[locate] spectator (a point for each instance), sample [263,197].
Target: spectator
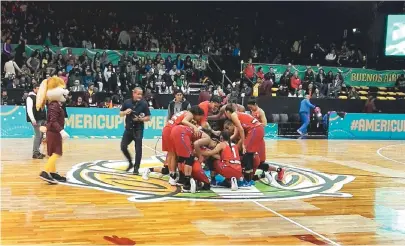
[370,107]
[265,88]
[90,95]
[310,89]
[10,67]
[353,94]
[300,92]
[178,104]
[62,76]
[88,79]
[309,77]
[336,85]
[282,91]
[260,73]
[179,62]
[331,56]
[33,62]
[77,86]
[246,90]
[317,94]
[80,103]
[200,66]
[270,75]
[285,79]
[249,71]
[400,83]
[75,76]
[295,81]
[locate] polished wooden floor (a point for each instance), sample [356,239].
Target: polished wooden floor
[365,205]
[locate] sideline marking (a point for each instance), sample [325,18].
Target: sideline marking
[387,158]
[296,223]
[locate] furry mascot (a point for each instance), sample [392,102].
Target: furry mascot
[52,90]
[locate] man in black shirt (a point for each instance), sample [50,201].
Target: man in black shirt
[136,112]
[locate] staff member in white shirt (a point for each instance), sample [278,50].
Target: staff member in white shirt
[37,119]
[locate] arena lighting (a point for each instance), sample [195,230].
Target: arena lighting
[354,30]
[241,61]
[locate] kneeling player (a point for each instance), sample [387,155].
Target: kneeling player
[258,157]
[228,161]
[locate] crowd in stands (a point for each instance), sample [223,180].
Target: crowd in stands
[31,23]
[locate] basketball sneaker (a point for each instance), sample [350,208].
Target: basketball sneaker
[193,186]
[47,177]
[145,174]
[234,184]
[280,174]
[269,178]
[58,178]
[172,181]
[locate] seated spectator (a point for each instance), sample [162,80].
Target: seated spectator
[300,92]
[90,95]
[282,91]
[292,94]
[336,85]
[400,83]
[331,56]
[317,94]
[310,89]
[295,81]
[77,86]
[270,75]
[259,73]
[285,79]
[353,94]
[80,103]
[88,79]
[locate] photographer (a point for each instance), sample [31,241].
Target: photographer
[136,112]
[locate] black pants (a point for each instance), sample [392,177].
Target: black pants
[129,136]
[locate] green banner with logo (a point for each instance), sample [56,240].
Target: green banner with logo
[113,55]
[352,76]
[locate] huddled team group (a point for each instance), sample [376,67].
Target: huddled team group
[235,153]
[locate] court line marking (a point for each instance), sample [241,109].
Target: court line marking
[296,223]
[387,158]
[278,214]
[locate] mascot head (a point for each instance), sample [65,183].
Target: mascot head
[51,89]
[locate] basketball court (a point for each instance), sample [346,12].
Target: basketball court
[334,193]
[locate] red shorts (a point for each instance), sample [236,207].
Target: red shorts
[181,142]
[53,143]
[254,141]
[227,169]
[167,145]
[262,152]
[197,173]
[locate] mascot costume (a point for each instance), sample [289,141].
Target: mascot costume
[52,90]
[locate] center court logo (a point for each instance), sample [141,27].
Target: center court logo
[110,176]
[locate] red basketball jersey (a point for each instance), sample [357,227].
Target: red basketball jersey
[230,154]
[177,118]
[247,121]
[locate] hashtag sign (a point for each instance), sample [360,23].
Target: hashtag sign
[355,125]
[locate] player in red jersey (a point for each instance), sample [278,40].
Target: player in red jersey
[259,114]
[227,161]
[209,106]
[185,118]
[182,138]
[251,133]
